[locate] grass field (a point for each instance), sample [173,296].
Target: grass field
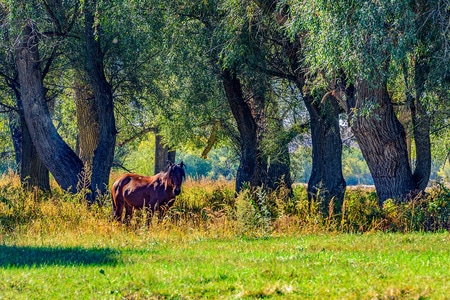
[141,266]
[213,245]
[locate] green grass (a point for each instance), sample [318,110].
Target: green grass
[142,266]
[213,245]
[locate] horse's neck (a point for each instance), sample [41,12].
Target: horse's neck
[164,178]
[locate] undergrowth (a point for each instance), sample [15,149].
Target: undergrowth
[212,207]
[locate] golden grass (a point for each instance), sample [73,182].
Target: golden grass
[210,208]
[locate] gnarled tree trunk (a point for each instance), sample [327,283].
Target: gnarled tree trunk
[382,140]
[326,182]
[249,112]
[57,156]
[104,152]
[33,172]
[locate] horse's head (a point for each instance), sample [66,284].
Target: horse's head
[176,175]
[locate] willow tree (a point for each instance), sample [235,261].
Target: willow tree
[426,79]
[326,182]
[103,99]
[32,171]
[220,89]
[238,50]
[32,39]
[359,43]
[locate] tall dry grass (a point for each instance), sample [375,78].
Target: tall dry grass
[211,208]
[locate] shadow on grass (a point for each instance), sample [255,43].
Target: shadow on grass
[14,256]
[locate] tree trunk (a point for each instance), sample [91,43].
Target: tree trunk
[326,173]
[104,153]
[87,123]
[421,124]
[326,182]
[33,172]
[250,161]
[57,156]
[382,140]
[277,159]
[420,118]
[162,154]
[15,129]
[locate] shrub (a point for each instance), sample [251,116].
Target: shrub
[254,211]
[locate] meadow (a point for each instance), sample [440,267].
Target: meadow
[214,245]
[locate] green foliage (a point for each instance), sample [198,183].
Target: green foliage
[301,164]
[362,37]
[360,211]
[207,204]
[354,167]
[429,213]
[221,163]
[141,159]
[138,156]
[211,206]
[163,60]
[444,172]
[7,154]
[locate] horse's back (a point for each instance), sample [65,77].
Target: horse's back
[119,184]
[133,189]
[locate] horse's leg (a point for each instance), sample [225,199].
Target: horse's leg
[149,214]
[117,202]
[118,210]
[128,213]
[161,212]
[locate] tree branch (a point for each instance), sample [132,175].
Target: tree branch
[137,135]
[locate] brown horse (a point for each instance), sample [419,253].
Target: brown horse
[152,192]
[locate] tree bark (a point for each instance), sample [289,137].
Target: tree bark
[250,161]
[104,153]
[87,122]
[421,127]
[382,140]
[57,156]
[33,172]
[162,154]
[326,182]
[277,159]
[88,129]
[427,35]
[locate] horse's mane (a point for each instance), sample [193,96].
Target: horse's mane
[165,176]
